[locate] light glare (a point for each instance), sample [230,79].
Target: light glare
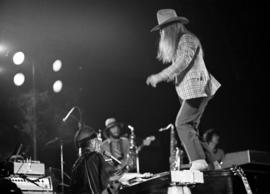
[18,58]
[57,86]
[19,79]
[57,65]
[2,48]
[2,70]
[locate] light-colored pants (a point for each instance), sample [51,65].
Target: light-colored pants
[187,122]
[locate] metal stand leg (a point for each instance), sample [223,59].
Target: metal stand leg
[62,166]
[137,163]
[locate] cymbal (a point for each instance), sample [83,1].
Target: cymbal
[58,139]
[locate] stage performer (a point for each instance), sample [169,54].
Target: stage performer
[194,85]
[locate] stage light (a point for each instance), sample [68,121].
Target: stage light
[1,69]
[19,79]
[57,86]
[18,58]
[57,65]
[2,48]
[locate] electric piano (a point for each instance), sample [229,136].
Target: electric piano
[148,185]
[251,160]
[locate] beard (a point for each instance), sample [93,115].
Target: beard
[115,135]
[166,49]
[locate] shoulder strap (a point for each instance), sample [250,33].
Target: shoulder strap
[180,77]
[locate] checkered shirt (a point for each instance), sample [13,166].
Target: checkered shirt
[189,71]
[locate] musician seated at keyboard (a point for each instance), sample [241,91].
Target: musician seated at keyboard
[90,173]
[211,137]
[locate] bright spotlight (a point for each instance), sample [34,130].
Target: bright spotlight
[57,64]
[57,86]
[18,58]
[18,79]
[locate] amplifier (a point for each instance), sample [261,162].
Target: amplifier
[29,168]
[33,183]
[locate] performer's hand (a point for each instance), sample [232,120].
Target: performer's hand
[152,80]
[115,178]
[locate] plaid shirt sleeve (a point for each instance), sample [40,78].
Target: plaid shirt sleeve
[185,52]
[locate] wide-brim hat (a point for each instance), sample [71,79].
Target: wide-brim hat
[83,135]
[109,123]
[166,17]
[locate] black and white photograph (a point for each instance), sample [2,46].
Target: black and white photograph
[134,97]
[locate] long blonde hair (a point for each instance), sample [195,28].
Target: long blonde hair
[169,37]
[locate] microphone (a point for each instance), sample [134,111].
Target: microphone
[131,128]
[68,114]
[52,141]
[166,128]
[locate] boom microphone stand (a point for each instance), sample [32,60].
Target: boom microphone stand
[62,164]
[61,143]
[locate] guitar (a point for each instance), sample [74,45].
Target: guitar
[131,160]
[239,171]
[126,165]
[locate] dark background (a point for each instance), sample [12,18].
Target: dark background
[107,52]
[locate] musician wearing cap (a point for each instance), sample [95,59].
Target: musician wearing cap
[90,172]
[195,86]
[115,144]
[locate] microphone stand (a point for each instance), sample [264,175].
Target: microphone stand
[62,164]
[62,147]
[137,162]
[61,142]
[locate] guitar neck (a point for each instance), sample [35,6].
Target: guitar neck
[139,148]
[149,139]
[246,184]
